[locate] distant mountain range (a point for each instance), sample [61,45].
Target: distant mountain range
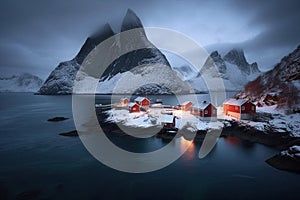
[20,83]
[153,67]
[279,86]
[233,69]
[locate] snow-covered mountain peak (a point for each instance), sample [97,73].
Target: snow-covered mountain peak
[233,68]
[91,42]
[131,21]
[61,79]
[237,57]
[20,83]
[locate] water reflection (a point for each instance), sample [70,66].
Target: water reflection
[188,147]
[238,142]
[233,141]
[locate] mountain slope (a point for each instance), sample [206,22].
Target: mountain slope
[61,79]
[280,86]
[21,83]
[233,69]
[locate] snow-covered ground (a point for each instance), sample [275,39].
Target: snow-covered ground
[155,117]
[269,118]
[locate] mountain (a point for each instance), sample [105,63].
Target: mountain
[20,83]
[279,86]
[185,72]
[60,80]
[233,69]
[136,62]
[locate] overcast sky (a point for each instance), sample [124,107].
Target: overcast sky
[38,34]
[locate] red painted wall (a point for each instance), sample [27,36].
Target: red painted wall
[209,109]
[135,108]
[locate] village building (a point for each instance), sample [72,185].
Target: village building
[124,102]
[169,123]
[239,108]
[142,101]
[205,111]
[186,106]
[133,107]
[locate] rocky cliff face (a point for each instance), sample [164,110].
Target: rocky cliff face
[61,79]
[279,86]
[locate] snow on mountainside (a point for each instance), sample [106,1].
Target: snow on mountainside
[279,86]
[162,79]
[233,69]
[61,79]
[185,72]
[21,83]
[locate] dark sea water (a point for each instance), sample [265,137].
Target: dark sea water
[36,160]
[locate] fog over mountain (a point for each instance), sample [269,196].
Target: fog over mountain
[40,34]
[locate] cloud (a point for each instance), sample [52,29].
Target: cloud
[36,35]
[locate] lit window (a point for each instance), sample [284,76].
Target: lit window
[236,108]
[206,112]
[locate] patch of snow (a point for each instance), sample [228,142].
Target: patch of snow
[154,117]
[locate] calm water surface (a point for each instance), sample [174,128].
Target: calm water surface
[34,157]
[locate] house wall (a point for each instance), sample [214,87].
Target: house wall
[248,108]
[125,101]
[211,111]
[145,102]
[231,108]
[234,114]
[134,108]
[187,106]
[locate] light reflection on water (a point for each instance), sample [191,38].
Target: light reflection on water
[34,157]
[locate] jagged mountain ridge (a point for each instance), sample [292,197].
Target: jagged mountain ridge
[282,84]
[233,69]
[20,83]
[59,82]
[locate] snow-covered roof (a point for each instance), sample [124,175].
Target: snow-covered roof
[202,105]
[167,118]
[139,99]
[131,104]
[237,102]
[186,103]
[123,99]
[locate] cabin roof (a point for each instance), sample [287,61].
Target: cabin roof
[237,102]
[186,103]
[132,104]
[167,118]
[139,99]
[202,105]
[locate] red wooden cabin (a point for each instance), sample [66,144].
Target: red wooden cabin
[205,110]
[124,101]
[239,108]
[133,107]
[168,121]
[186,106]
[142,101]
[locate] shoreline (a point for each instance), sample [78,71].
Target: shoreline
[199,92]
[279,141]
